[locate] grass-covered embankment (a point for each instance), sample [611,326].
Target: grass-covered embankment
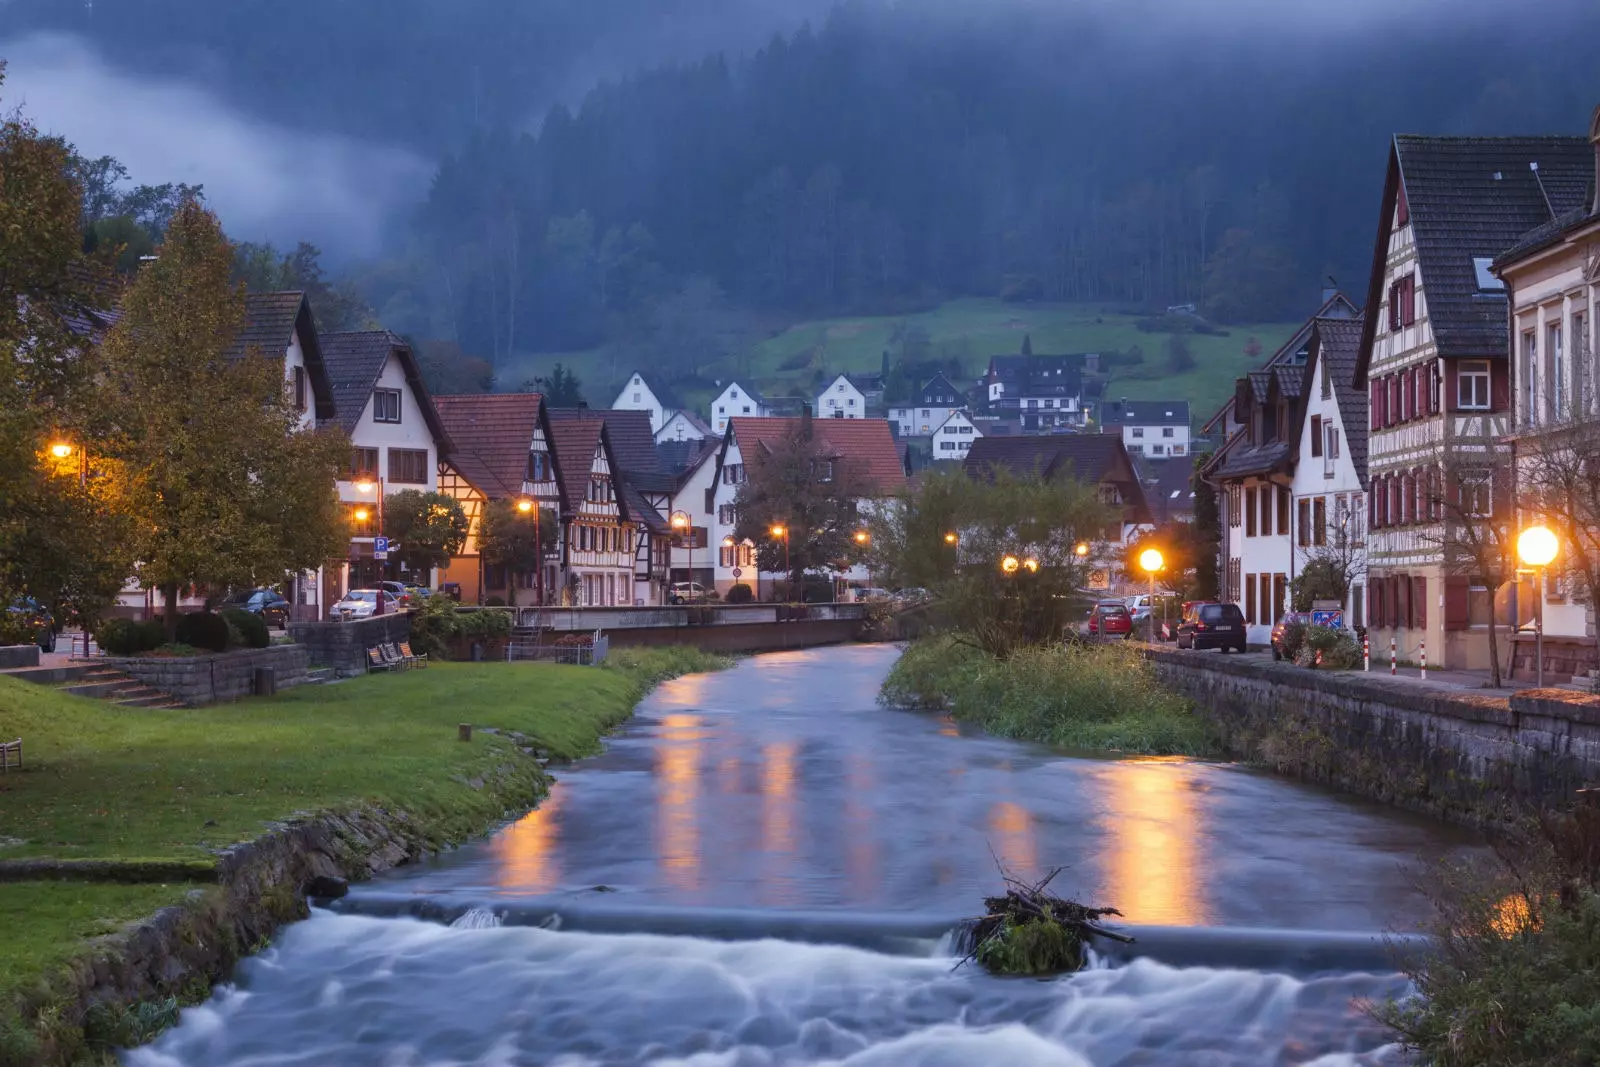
[148,788]
[1099,697]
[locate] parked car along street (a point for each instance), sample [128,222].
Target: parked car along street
[37,618]
[690,593]
[269,604]
[1110,618]
[357,604]
[1211,625]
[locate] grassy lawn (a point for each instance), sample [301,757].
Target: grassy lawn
[110,783]
[970,330]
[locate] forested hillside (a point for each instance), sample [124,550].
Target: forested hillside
[876,162]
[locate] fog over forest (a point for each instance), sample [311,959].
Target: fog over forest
[552,175]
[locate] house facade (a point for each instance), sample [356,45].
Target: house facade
[1434,362]
[952,439]
[600,538]
[841,399]
[1099,460]
[1045,392]
[1154,428]
[694,556]
[683,425]
[1552,279]
[500,450]
[396,443]
[935,402]
[636,395]
[736,401]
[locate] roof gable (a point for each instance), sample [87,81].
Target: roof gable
[490,436]
[580,446]
[356,360]
[271,321]
[1094,459]
[1336,344]
[867,442]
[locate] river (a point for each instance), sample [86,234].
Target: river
[757,871]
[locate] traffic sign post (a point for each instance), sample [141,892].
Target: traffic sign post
[738,572]
[380,547]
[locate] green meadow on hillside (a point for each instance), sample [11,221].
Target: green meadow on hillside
[791,362]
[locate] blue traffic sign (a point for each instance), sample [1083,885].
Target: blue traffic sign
[380,547]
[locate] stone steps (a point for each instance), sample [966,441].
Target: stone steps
[109,684]
[321,676]
[49,675]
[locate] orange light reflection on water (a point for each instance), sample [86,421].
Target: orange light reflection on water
[525,850]
[777,818]
[677,799]
[1152,848]
[1012,838]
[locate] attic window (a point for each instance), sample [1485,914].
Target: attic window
[1487,282]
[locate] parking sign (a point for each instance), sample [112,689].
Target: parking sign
[380,548]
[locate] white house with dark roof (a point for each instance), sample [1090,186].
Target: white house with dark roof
[841,399]
[1046,391]
[683,425]
[924,413]
[396,438]
[736,401]
[637,395]
[954,436]
[1154,428]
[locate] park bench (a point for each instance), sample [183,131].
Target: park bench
[8,749]
[376,661]
[416,660]
[396,659]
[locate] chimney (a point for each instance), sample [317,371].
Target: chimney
[1594,139]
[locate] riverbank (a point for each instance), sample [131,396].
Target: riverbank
[246,802]
[1096,697]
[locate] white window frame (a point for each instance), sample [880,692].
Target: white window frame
[1469,372]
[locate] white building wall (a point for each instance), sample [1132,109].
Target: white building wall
[691,500]
[679,427]
[841,400]
[295,357]
[1330,477]
[1161,441]
[953,440]
[636,395]
[734,401]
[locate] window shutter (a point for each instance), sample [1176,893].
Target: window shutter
[1303,517]
[1419,602]
[1316,435]
[1375,403]
[1419,389]
[1408,302]
[1500,493]
[1500,385]
[1433,388]
[1394,399]
[1402,601]
[1457,602]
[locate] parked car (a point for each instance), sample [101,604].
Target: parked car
[418,592]
[1110,618]
[1213,625]
[36,617]
[1290,618]
[357,604]
[864,595]
[691,593]
[268,603]
[1167,608]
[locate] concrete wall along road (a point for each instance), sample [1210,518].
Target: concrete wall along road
[343,645]
[1468,757]
[218,678]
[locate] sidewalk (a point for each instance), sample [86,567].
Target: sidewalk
[1457,680]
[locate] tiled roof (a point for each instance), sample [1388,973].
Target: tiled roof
[573,442]
[1144,413]
[1090,458]
[1475,197]
[632,445]
[640,510]
[865,442]
[490,435]
[270,321]
[1336,306]
[694,420]
[1168,486]
[1244,460]
[1338,345]
[354,362]
[1260,383]
[681,458]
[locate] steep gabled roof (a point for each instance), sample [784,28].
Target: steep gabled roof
[1470,198]
[1336,306]
[1090,458]
[746,391]
[490,436]
[573,442]
[1168,487]
[632,444]
[270,323]
[1337,344]
[691,418]
[866,442]
[354,362]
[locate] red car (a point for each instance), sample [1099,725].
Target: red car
[1110,618]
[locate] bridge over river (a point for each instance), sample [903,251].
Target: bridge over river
[760,869]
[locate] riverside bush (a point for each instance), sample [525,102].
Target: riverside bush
[1340,649]
[1101,696]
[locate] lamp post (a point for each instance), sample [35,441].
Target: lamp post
[524,505]
[62,450]
[781,532]
[1151,560]
[683,527]
[1009,564]
[367,485]
[1536,547]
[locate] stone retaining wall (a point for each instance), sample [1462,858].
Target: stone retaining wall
[343,645]
[1468,757]
[216,678]
[13,657]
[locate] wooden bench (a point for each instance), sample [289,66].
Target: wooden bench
[415,660]
[8,749]
[376,661]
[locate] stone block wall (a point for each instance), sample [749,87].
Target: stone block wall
[218,678]
[1472,758]
[343,645]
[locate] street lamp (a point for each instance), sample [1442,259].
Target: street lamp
[524,506]
[863,538]
[1009,564]
[950,538]
[1151,560]
[368,485]
[1031,565]
[61,450]
[683,526]
[781,532]
[1536,547]
[1081,549]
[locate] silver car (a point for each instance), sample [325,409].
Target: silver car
[357,604]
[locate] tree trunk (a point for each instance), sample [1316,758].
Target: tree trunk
[169,621]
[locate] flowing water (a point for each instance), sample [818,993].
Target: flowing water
[757,872]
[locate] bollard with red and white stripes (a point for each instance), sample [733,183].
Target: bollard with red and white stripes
[1366,653]
[1394,657]
[1424,661]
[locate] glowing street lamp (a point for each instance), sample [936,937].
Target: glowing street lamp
[1031,565]
[1009,564]
[1537,546]
[683,527]
[951,538]
[1152,560]
[362,514]
[61,450]
[863,538]
[781,532]
[524,506]
[1081,549]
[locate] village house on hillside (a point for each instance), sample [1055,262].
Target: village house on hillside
[952,439]
[935,402]
[396,441]
[1433,359]
[1152,428]
[1552,279]
[638,395]
[683,425]
[1099,460]
[1045,392]
[841,399]
[866,444]
[736,401]
[600,534]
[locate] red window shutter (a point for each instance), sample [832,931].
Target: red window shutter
[1408,300]
[1419,602]
[1394,400]
[1419,380]
[1375,415]
[1316,435]
[1433,388]
[1402,600]
[1457,602]
[1500,493]
[1394,306]
[1500,385]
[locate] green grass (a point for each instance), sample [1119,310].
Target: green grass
[110,783]
[970,330]
[1103,697]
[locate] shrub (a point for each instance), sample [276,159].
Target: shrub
[741,594]
[485,625]
[204,629]
[152,634]
[1340,649]
[1294,637]
[122,637]
[1103,696]
[252,628]
[433,623]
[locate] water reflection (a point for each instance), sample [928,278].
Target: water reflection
[525,852]
[1011,837]
[777,818]
[677,799]
[861,845]
[1152,827]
